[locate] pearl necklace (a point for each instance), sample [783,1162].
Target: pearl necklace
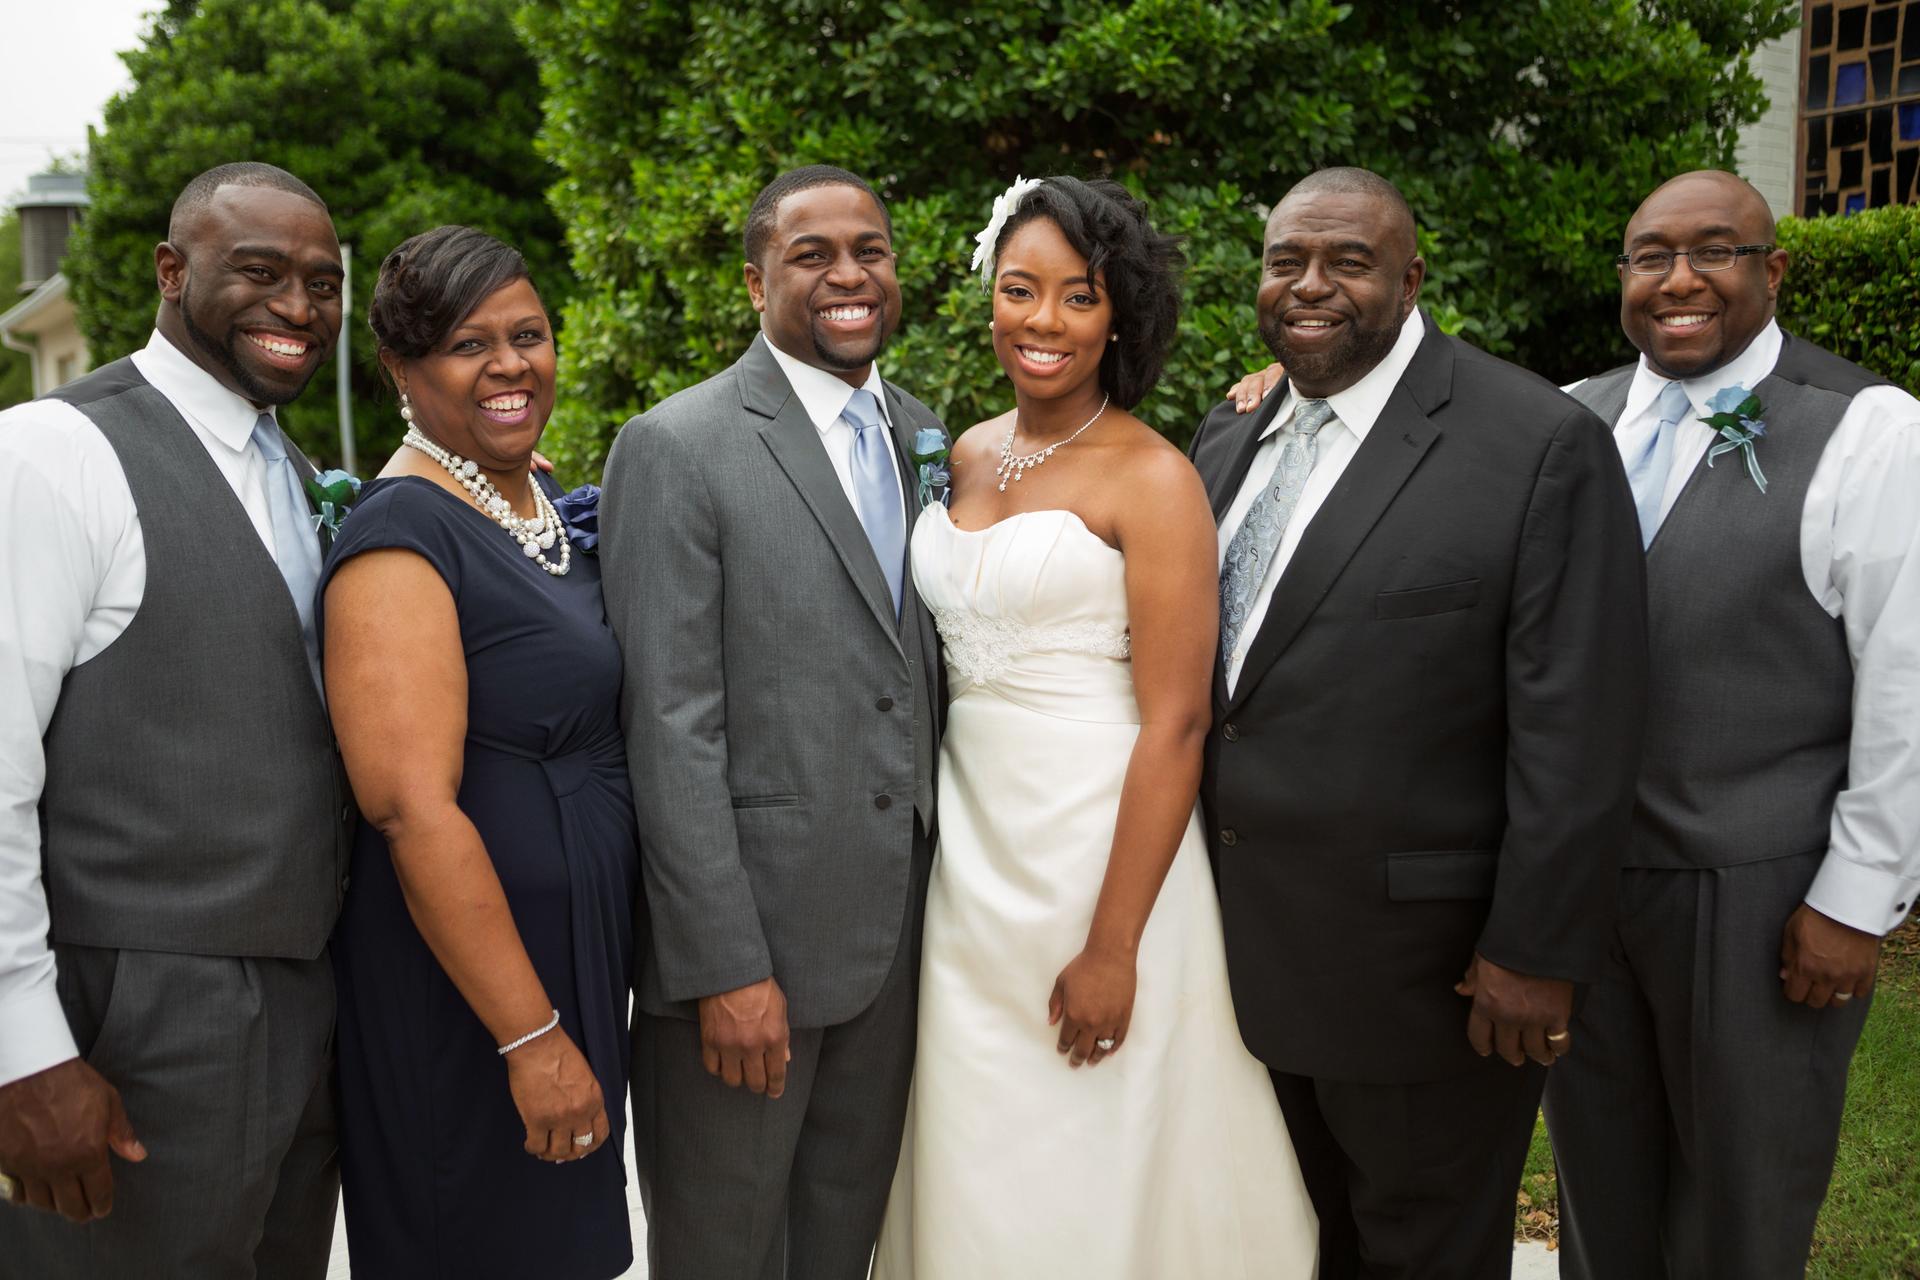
[535,534]
[1013,466]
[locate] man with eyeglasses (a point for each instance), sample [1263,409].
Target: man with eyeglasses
[1776,836]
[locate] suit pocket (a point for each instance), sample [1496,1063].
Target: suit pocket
[782,801]
[1441,876]
[1419,602]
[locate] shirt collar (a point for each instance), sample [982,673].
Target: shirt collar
[1744,370]
[199,396]
[1360,405]
[822,395]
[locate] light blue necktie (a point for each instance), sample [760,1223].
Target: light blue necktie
[876,488]
[1647,473]
[296,543]
[1251,550]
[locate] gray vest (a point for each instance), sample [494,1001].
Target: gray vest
[1751,689]
[194,800]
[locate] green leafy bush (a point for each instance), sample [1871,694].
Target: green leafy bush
[402,114]
[1524,135]
[1853,286]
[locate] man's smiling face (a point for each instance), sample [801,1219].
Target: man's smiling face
[825,289]
[1690,322]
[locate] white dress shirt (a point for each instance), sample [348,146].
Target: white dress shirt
[825,397]
[1355,410]
[73,569]
[1860,557]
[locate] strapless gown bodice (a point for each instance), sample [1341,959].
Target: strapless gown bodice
[1034,607]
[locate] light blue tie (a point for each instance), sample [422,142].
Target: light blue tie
[1251,550]
[1647,473]
[296,542]
[876,489]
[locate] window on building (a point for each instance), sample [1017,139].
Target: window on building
[1860,106]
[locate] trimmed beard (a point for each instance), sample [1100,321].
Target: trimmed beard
[1344,363]
[227,355]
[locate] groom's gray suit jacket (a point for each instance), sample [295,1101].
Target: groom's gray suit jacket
[780,723]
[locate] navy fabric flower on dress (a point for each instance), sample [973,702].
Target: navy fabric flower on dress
[580,512]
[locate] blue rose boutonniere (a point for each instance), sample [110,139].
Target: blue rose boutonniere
[1735,415]
[579,511]
[931,456]
[332,492]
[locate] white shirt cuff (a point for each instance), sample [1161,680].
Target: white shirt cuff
[33,1035]
[1865,898]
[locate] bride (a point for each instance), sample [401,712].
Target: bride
[1082,1103]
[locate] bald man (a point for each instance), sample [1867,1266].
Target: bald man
[172,814]
[1776,837]
[1426,729]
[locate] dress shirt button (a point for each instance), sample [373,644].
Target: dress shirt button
[1231,732]
[882,801]
[1229,837]
[883,703]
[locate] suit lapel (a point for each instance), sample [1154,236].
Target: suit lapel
[1242,444]
[1375,474]
[795,444]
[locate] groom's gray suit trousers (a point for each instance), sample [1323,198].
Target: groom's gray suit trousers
[792,1187]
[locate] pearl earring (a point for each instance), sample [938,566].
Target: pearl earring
[406,408]
[1113,337]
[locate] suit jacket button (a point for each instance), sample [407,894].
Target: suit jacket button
[1231,732]
[884,703]
[1229,837]
[882,801]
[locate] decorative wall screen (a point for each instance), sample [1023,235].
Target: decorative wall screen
[1860,105]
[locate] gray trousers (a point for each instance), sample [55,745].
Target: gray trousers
[225,1068]
[1695,1122]
[737,1186]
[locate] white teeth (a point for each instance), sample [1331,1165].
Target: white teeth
[278,346]
[1313,324]
[1683,322]
[1043,357]
[847,313]
[506,404]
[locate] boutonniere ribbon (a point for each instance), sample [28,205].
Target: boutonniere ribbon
[930,454]
[332,492]
[1735,415]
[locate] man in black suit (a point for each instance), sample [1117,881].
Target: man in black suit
[1427,723]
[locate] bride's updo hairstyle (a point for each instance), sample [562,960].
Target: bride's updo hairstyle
[433,281]
[1109,228]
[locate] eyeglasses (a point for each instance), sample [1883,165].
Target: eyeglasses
[1708,257]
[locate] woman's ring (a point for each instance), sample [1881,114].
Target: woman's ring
[582,1139]
[1106,1045]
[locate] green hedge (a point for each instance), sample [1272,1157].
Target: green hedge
[1853,286]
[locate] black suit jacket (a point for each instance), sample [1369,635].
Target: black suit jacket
[1432,743]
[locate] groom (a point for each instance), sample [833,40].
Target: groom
[780,716]
[1426,726]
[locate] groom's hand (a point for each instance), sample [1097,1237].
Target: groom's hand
[1516,1016]
[743,1037]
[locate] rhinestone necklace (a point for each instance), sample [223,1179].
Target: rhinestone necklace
[1013,466]
[536,534]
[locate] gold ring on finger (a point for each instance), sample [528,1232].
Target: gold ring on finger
[1555,1037]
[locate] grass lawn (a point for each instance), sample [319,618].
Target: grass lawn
[1870,1226]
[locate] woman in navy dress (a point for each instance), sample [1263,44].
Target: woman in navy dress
[484,954]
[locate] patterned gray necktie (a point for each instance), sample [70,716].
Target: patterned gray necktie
[1251,550]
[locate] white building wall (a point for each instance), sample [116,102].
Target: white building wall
[1765,154]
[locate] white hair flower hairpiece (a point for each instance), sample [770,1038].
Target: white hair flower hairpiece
[1005,205]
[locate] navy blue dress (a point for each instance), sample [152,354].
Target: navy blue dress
[435,1178]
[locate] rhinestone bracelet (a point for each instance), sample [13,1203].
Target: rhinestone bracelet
[506,1049]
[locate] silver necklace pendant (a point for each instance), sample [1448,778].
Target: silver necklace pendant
[1013,466]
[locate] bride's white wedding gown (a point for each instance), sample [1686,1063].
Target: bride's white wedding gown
[1171,1159]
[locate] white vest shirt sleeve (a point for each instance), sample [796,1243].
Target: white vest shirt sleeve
[72,569]
[1860,551]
